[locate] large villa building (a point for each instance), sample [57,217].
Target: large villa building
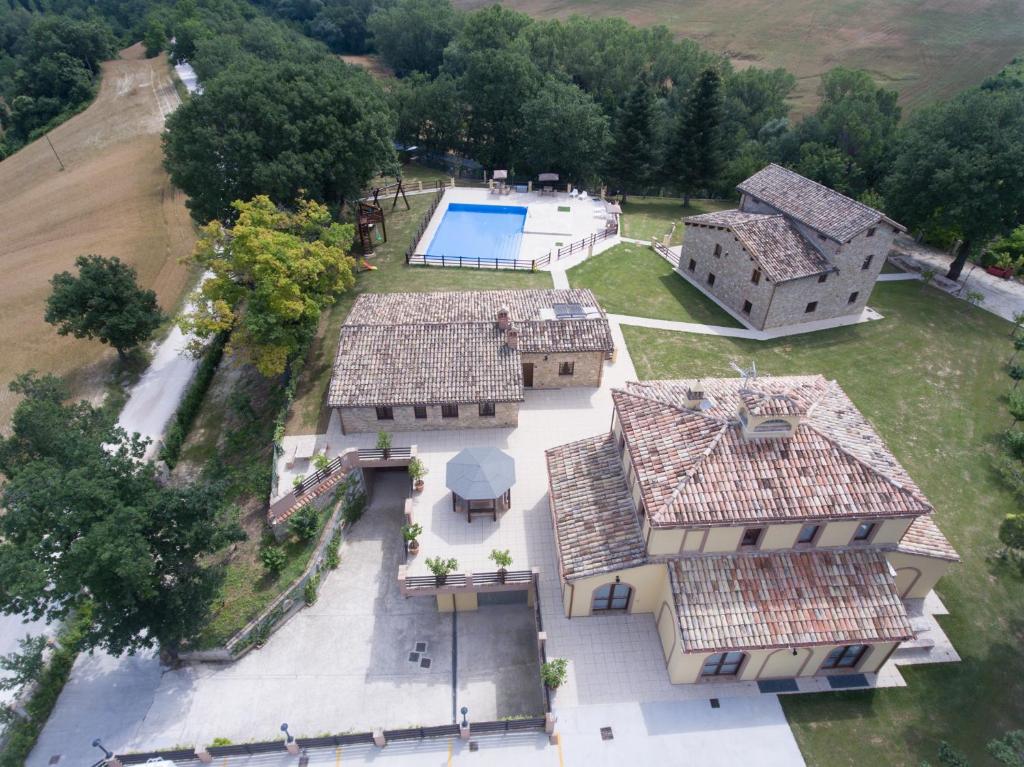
[414,361]
[763,522]
[793,252]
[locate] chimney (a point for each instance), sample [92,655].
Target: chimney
[512,337]
[504,318]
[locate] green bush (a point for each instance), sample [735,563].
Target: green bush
[273,559]
[188,409]
[332,558]
[354,509]
[1014,441]
[309,590]
[553,673]
[304,524]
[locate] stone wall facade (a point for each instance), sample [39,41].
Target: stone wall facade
[841,294]
[355,420]
[587,368]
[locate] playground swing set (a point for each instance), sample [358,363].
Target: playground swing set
[370,227]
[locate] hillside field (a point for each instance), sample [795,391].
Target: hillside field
[112,199]
[925,49]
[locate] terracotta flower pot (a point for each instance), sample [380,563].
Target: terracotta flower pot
[414,546]
[418,485]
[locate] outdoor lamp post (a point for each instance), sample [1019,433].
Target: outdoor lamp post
[465,722]
[289,741]
[288,735]
[97,744]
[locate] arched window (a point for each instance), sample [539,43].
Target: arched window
[774,424]
[723,664]
[611,596]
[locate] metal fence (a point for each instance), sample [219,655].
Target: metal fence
[183,755]
[666,253]
[464,262]
[508,725]
[425,221]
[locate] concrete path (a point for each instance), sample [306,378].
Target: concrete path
[1003,298]
[894,277]
[754,335]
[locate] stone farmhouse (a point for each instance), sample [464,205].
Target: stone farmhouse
[763,523]
[415,361]
[793,252]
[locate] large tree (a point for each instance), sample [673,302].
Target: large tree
[87,521]
[274,272]
[103,301]
[320,128]
[634,151]
[564,131]
[698,152]
[411,35]
[960,166]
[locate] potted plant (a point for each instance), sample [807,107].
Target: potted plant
[552,673]
[503,560]
[417,471]
[411,533]
[321,461]
[440,568]
[384,443]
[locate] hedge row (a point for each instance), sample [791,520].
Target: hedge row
[192,401]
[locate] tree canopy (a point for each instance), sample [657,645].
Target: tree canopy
[698,152]
[103,301]
[86,521]
[274,272]
[412,34]
[960,165]
[317,128]
[634,153]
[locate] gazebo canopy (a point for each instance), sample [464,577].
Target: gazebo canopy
[548,177]
[480,473]
[500,175]
[613,207]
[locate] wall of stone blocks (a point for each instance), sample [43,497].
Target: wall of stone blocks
[587,369]
[355,420]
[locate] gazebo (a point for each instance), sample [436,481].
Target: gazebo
[481,479]
[547,182]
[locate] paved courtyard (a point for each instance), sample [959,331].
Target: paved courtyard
[341,665]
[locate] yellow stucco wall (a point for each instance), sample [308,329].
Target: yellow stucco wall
[723,539]
[780,536]
[665,541]
[462,601]
[892,530]
[838,533]
[693,540]
[648,581]
[916,575]
[776,663]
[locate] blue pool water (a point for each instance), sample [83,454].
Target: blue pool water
[479,231]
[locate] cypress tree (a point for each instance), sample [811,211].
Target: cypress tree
[632,159]
[697,154]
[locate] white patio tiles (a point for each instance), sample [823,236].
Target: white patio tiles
[546,227]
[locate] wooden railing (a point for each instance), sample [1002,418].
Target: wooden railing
[580,245]
[666,253]
[469,262]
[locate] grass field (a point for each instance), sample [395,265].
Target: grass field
[931,378]
[633,279]
[926,50]
[308,414]
[647,217]
[112,199]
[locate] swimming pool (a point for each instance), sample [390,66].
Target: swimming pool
[479,231]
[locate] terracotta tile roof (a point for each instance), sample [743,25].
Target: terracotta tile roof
[925,538]
[534,312]
[771,403]
[775,600]
[423,364]
[822,209]
[695,467]
[426,348]
[596,528]
[780,251]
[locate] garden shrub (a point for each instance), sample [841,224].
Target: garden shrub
[309,590]
[188,409]
[332,558]
[273,559]
[305,523]
[354,509]
[553,672]
[1014,441]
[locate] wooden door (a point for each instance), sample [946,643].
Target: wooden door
[528,374]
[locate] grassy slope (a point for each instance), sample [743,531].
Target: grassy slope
[925,50]
[647,217]
[308,415]
[113,199]
[931,379]
[633,279]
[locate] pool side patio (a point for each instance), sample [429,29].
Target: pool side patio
[546,227]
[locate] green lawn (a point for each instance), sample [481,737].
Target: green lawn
[308,414]
[647,217]
[633,279]
[931,379]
